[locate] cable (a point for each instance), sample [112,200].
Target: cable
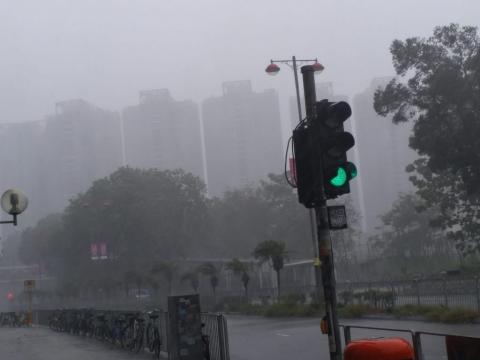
[285,164]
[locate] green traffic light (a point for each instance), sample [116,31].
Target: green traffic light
[340,179]
[353,171]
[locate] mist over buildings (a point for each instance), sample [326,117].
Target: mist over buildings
[91,86]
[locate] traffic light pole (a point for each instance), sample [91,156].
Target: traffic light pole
[323,233]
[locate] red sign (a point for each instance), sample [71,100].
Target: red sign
[94,251]
[103,251]
[10,296]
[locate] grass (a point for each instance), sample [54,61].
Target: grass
[290,308]
[437,313]
[284,308]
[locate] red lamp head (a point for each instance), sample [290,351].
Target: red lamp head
[272,69]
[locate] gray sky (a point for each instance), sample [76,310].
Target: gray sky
[106,50]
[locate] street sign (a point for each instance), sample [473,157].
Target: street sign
[185,323]
[94,251]
[29,285]
[337,217]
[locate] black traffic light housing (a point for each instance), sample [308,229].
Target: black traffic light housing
[320,146]
[334,143]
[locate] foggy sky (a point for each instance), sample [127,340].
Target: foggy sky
[105,51]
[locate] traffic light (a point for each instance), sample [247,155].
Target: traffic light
[320,148]
[306,167]
[334,143]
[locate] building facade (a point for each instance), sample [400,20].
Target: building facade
[243,139]
[163,133]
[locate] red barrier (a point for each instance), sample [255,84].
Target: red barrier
[379,349]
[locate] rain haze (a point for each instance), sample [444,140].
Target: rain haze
[106,51]
[170,199]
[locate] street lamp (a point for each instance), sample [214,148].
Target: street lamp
[273,69]
[13,202]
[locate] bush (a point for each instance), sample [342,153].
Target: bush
[354,311]
[437,313]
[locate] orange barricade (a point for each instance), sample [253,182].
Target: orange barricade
[379,349]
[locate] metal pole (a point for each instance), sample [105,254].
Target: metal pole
[477,291]
[311,212]
[295,74]
[323,234]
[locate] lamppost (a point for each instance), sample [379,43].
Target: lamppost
[273,69]
[13,202]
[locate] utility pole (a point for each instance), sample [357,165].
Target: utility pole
[323,231]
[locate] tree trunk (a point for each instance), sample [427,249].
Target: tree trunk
[246,292]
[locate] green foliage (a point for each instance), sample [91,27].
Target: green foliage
[168,269]
[438,313]
[242,218]
[438,87]
[143,216]
[354,311]
[213,273]
[271,251]
[283,308]
[408,239]
[191,276]
[240,269]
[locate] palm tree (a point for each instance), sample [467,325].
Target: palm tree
[210,270]
[273,252]
[240,268]
[192,277]
[168,269]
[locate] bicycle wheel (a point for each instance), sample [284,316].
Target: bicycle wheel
[156,347]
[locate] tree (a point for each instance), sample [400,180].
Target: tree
[136,213]
[192,277]
[273,252]
[244,217]
[168,269]
[438,87]
[408,242]
[240,269]
[213,273]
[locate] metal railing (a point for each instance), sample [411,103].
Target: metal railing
[416,336]
[216,329]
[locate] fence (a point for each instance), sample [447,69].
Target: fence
[215,328]
[464,292]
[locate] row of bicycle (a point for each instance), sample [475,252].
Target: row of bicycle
[133,331]
[13,319]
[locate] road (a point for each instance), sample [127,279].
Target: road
[251,338]
[45,344]
[255,338]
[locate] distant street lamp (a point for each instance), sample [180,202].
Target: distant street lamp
[273,69]
[13,202]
